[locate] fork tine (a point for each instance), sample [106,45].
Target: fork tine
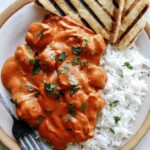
[37,140]
[27,144]
[32,141]
[22,145]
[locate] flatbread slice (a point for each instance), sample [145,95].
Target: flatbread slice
[130,20]
[67,10]
[47,5]
[117,22]
[96,15]
[115,9]
[132,34]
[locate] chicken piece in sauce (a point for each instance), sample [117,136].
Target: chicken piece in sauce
[55,80]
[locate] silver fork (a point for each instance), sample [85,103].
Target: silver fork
[26,138]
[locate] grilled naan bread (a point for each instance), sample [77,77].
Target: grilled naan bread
[133,22]
[104,18]
[119,21]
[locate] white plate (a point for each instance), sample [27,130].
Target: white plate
[13,33]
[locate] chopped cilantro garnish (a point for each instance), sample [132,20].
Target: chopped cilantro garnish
[112,130]
[117,119]
[36,67]
[128,65]
[30,88]
[34,61]
[14,101]
[40,120]
[76,61]
[68,118]
[73,90]
[76,50]
[84,42]
[62,57]
[40,34]
[114,103]
[83,106]
[29,47]
[51,89]
[52,56]
[71,109]
[36,94]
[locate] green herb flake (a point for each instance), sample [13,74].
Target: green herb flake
[76,61]
[74,89]
[29,47]
[84,42]
[62,57]
[14,101]
[114,103]
[112,130]
[36,67]
[30,87]
[117,119]
[71,109]
[52,56]
[68,118]
[128,65]
[40,34]
[36,94]
[63,70]
[76,50]
[83,106]
[34,61]
[51,89]
[40,120]
[36,70]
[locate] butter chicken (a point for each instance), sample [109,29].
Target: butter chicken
[55,80]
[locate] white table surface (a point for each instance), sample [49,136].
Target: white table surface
[145,142]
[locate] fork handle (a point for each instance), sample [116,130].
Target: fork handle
[8,141]
[14,7]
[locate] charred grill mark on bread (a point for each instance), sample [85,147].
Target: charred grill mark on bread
[114,19]
[47,5]
[85,14]
[132,6]
[133,33]
[57,7]
[67,10]
[119,6]
[75,11]
[93,14]
[115,3]
[132,22]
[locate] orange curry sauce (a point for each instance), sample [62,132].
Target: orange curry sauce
[55,80]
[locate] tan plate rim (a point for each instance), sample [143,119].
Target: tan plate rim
[18,4]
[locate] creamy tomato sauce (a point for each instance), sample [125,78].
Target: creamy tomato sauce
[55,78]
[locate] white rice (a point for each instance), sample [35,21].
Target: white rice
[128,88]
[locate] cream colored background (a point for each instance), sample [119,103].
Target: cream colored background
[145,142]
